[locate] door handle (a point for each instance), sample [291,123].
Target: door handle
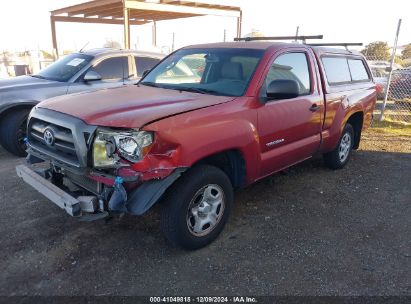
[314,107]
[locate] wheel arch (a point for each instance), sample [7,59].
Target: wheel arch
[331,136]
[17,106]
[356,120]
[231,162]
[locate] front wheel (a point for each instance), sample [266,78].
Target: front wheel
[339,157]
[196,208]
[13,132]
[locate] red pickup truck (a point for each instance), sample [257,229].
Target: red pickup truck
[206,120]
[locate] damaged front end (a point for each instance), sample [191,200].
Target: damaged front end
[111,171]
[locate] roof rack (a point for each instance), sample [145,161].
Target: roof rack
[303,38]
[344,44]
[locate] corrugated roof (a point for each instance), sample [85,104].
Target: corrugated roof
[140,11]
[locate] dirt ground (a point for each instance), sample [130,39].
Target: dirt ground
[310,231]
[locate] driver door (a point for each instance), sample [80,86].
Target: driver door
[290,128]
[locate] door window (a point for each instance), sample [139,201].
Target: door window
[113,68]
[291,66]
[144,63]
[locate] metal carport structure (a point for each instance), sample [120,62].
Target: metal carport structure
[138,12]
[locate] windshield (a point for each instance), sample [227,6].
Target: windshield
[65,68]
[216,71]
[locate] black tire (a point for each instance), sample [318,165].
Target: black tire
[334,159]
[13,130]
[175,216]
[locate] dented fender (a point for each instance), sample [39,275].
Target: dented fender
[150,192]
[183,149]
[142,198]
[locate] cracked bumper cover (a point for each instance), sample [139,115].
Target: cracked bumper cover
[136,202]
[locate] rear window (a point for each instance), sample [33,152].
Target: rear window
[248,63]
[337,70]
[358,71]
[342,70]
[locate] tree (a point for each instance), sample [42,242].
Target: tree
[406,52]
[67,52]
[254,33]
[46,55]
[5,58]
[399,60]
[377,50]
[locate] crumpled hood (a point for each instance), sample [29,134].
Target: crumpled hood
[24,82]
[129,106]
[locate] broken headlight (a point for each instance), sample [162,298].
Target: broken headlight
[110,145]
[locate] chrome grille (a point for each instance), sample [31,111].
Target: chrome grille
[63,143]
[63,139]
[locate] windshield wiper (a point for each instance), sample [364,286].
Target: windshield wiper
[150,84]
[187,89]
[38,76]
[198,90]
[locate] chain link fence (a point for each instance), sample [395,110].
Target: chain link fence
[398,105]
[395,90]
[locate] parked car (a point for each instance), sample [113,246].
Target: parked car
[78,72]
[380,71]
[258,108]
[380,75]
[400,87]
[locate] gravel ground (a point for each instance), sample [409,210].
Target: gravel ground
[310,231]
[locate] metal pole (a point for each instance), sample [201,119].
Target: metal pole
[387,88]
[126,27]
[241,24]
[296,33]
[39,56]
[154,33]
[225,35]
[54,38]
[172,44]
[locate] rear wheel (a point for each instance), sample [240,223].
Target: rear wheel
[196,208]
[339,157]
[13,131]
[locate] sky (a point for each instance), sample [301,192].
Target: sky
[25,24]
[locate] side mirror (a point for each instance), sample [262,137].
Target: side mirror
[145,73]
[283,89]
[92,76]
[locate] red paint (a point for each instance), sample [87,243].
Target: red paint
[102,179]
[131,106]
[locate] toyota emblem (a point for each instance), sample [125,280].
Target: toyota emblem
[48,137]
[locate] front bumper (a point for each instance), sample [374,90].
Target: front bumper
[75,207]
[90,208]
